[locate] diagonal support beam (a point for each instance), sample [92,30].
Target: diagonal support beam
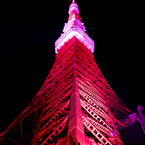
[96,132]
[94,115]
[56,115]
[56,131]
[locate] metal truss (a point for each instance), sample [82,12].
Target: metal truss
[96,132]
[74,93]
[58,129]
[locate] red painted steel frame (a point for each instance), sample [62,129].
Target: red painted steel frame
[75,104]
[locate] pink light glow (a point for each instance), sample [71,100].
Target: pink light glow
[72,28]
[112,133]
[79,34]
[73,7]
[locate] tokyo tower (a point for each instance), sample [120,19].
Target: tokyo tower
[75,105]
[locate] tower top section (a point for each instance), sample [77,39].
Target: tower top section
[73,7]
[74,27]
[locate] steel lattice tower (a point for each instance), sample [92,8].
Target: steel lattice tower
[75,105]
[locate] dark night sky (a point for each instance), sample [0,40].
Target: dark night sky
[27,35]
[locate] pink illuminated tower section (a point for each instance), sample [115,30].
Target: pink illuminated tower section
[75,105]
[74,28]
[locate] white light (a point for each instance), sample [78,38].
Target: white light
[72,28]
[79,34]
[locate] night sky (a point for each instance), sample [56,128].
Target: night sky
[27,35]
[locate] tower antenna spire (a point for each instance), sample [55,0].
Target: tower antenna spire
[73,1]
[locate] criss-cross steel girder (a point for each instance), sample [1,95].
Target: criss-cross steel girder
[69,103]
[75,104]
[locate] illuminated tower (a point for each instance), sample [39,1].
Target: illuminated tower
[75,105]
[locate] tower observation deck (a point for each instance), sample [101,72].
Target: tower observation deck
[75,105]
